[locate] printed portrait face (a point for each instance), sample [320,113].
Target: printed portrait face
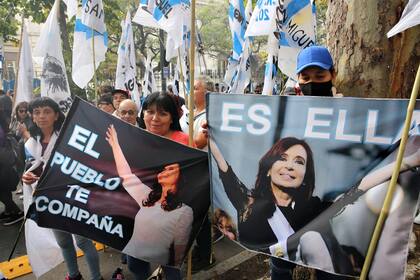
[169,177]
[44,117]
[289,171]
[157,121]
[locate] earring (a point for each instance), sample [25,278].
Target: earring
[268,174]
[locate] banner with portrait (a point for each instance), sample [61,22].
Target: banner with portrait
[307,177]
[124,187]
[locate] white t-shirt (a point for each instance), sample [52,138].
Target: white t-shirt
[199,119]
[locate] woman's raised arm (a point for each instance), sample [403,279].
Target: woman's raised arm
[132,184]
[221,162]
[382,174]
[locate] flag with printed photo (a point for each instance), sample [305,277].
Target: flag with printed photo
[125,77]
[26,71]
[48,53]
[84,52]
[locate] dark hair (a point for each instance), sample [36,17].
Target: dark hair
[120,91]
[19,105]
[106,98]
[45,102]
[163,101]
[171,202]
[263,182]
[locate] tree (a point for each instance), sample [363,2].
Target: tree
[368,63]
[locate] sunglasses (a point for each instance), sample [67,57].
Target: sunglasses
[22,111]
[129,112]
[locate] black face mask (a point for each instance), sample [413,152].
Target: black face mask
[317,89]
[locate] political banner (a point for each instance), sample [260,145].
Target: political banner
[311,178]
[122,186]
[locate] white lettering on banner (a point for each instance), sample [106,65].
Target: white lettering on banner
[83,173]
[81,195]
[339,133]
[229,117]
[372,122]
[57,207]
[83,140]
[266,124]
[313,122]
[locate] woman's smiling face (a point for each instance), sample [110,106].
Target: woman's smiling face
[289,171]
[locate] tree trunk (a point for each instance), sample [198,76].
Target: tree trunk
[369,64]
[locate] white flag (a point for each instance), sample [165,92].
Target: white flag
[243,76]
[263,17]
[149,83]
[93,15]
[48,53]
[82,64]
[126,65]
[169,16]
[298,32]
[71,8]
[248,11]
[409,18]
[26,71]
[270,72]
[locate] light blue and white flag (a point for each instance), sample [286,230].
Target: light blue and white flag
[237,23]
[248,11]
[93,15]
[169,15]
[242,77]
[83,53]
[296,33]
[26,71]
[125,77]
[49,54]
[270,72]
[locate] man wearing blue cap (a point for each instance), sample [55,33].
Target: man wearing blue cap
[315,70]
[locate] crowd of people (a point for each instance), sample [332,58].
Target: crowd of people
[32,129]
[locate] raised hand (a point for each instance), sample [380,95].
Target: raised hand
[112,137]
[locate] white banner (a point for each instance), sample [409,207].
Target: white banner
[26,71]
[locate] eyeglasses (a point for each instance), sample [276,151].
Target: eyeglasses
[129,112]
[23,111]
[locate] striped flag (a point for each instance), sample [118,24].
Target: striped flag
[82,64]
[125,77]
[243,71]
[149,83]
[237,23]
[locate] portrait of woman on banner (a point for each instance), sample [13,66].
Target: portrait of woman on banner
[282,202]
[163,223]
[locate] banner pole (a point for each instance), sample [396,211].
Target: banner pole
[191,107]
[392,185]
[94,67]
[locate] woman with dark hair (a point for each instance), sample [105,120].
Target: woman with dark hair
[159,115]
[48,119]
[21,121]
[282,194]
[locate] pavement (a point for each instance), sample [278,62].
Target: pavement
[227,254]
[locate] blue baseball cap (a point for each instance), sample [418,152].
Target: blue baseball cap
[314,56]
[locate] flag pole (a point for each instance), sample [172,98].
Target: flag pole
[94,67]
[392,185]
[191,107]
[15,88]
